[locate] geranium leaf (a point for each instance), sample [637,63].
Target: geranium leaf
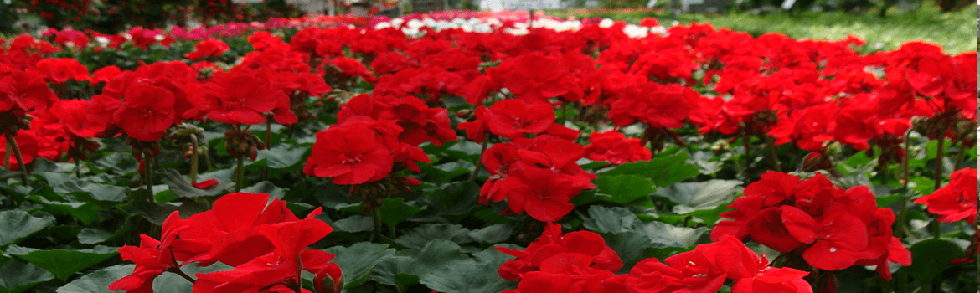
[98,281]
[15,225]
[359,259]
[62,262]
[624,189]
[18,276]
[395,210]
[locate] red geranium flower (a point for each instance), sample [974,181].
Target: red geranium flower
[147,111]
[238,98]
[61,70]
[152,258]
[955,201]
[350,154]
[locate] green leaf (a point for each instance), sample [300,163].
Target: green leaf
[354,224]
[93,236]
[274,191]
[456,198]
[17,276]
[624,189]
[396,270]
[663,170]
[183,188]
[15,225]
[281,156]
[358,260]
[62,262]
[84,212]
[471,276]
[419,237]
[394,210]
[97,282]
[666,235]
[694,196]
[332,196]
[445,172]
[64,183]
[605,220]
[931,257]
[493,234]
[437,254]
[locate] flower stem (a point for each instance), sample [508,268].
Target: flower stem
[939,162]
[12,144]
[240,174]
[195,156]
[902,277]
[6,158]
[376,211]
[773,157]
[78,167]
[936,226]
[479,160]
[148,173]
[268,145]
[748,160]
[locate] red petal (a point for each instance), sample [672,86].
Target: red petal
[206,183]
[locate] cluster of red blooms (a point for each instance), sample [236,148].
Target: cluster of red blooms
[580,262]
[614,147]
[208,49]
[539,175]
[53,9]
[351,155]
[830,228]
[957,200]
[266,245]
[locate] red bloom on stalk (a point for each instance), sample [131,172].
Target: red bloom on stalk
[60,70]
[534,76]
[25,91]
[73,115]
[210,48]
[612,146]
[955,201]
[350,154]
[238,98]
[581,255]
[152,258]
[281,267]
[147,111]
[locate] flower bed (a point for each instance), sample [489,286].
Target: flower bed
[410,159]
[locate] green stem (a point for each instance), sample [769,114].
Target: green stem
[268,145]
[78,167]
[959,156]
[773,156]
[148,173]
[6,159]
[939,162]
[936,226]
[902,277]
[240,174]
[748,160]
[12,143]
[376,211]
[479,160]
[195,156]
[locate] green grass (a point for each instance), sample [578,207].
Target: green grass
[953,31]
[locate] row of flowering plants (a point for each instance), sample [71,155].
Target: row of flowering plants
[368,160]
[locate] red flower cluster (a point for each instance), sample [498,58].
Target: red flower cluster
[612,146]
[955,201]
[265,243]
[538,176]
[208,49]
[374,136]
[831,228]
[574,262]
[516,119]
[706,268]
[580,262]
